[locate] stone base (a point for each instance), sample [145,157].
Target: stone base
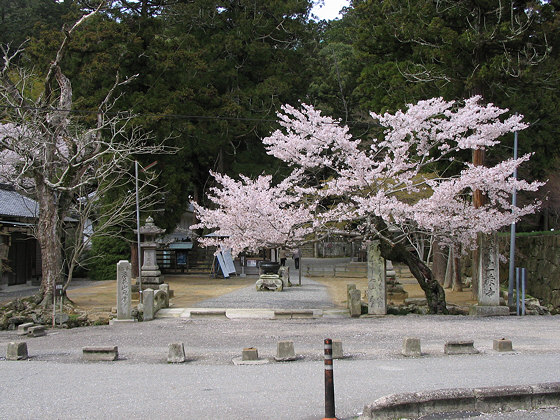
[502,345]
[460,347]
[151,280]
[411,347]
[269,282]
[285,351]
[95,354]
[480,310]
[176,353]
[238,361]
[17,351]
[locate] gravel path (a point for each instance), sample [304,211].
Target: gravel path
[311,295]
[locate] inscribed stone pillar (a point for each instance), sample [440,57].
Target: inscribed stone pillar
[124,290]
[377,299]
[488,272]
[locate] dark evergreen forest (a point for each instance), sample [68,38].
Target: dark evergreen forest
[213,74]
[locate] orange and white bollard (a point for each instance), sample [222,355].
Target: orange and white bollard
[329,382]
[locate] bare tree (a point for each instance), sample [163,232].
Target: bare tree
[46,152]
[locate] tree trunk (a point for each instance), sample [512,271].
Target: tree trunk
[449,270]
[435,294]
[49,232]
[438,267]
[457,283]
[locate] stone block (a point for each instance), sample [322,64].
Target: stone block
[208,314]
[176,353]
[411,347]
[337,352]
[17,351]
[161,300]
[148,302]
[481,310]
[355,303]
[61,318]
[23,329]
[250,353]
[460,347]
[36,331]
[285,351]
[95,354]
[293,313]
[349,287]
[503,398]
[502,345]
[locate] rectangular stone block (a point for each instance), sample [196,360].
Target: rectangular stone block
[502,345]
[285,351]
[249,353]
[22,329]
[337,352]
[124,290]
[355,303]
[17,351]
[208,314]
[460,347]
[293,313]
[148,303]
[176,353]
[481,310]
[95,354]
[349,287]
[411,347]
[36,331]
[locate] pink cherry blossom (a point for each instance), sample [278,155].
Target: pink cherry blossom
[388,180]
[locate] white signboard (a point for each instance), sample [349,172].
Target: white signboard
[228,260]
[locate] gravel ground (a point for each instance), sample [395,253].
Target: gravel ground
[57,383]
[311,295]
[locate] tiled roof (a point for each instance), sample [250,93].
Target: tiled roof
[16,205]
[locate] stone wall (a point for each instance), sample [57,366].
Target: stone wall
[540,255]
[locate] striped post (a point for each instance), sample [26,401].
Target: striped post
[329,382]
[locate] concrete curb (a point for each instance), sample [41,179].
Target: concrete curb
[485,400]
[248,313]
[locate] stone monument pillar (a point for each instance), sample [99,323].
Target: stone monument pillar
[124,297]
[377,299]
[489,279]
[150,270]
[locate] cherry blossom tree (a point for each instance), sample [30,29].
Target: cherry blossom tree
[383,188]
[64,164]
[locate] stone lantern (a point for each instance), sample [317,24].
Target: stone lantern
[150,270]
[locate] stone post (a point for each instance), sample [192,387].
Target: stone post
[488,273]
[488,279]
[124,295]
[377,299]
[148,304]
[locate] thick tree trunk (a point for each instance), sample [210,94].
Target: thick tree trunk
[49,232]
[435,294]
